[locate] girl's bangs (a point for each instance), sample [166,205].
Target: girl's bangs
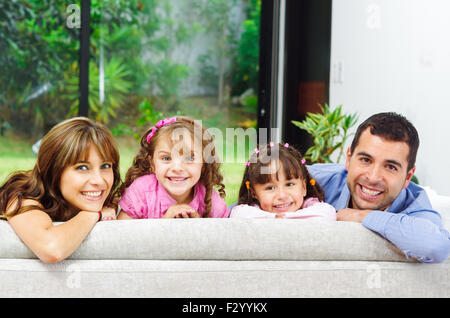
[291,169]
[174,134]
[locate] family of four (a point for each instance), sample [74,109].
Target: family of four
[76,181]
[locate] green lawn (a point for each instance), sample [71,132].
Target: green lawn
[16,154]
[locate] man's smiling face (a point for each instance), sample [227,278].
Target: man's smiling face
[377,171]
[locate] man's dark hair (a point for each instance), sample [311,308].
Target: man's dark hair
[391,126]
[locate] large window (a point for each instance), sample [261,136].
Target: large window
[38,68]
[149,59]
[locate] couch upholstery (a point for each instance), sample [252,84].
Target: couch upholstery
[224,258]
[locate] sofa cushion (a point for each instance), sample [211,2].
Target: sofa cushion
[218,278]
[221,239]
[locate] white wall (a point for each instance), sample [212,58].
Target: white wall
[394,55]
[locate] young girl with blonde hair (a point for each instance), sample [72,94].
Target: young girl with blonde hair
[276,184]
[73,181]
[174,174]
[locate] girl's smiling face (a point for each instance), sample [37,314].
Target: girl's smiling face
[86,184]
[177,172]
[280,194]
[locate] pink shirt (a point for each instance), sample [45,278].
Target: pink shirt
[145,198]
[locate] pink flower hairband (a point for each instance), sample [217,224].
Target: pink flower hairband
[159,124]
[271,144]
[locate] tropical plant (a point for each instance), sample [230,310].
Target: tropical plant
[330,130]
[103,103]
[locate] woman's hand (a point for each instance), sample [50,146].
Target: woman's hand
[108,214]
[178,211]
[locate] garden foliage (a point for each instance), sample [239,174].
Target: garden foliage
[132,61]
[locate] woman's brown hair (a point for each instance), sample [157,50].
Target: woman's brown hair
[64,145]
[292,162]
[210,174]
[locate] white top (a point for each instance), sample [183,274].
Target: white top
[317,210]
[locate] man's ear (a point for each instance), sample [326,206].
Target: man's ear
[348,154]
[409,176]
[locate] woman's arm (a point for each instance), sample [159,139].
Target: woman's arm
[48,242]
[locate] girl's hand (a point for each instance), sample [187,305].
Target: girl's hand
[178,211]
[108,214]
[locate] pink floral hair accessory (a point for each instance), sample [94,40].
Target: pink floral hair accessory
[159,124]
[303,161]
[286,145]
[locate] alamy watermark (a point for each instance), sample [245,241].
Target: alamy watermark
[73,20]
[73,281]
[374,277]
[235,146]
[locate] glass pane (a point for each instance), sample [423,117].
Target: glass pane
[154,59]
[39,41]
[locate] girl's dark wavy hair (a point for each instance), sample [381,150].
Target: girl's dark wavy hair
[64,145]
[210,174]
[291,162]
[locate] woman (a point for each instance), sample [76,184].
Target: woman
[74,181]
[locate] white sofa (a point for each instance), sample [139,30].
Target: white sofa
[227,258]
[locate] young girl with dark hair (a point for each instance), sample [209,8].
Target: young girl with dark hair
[276,184]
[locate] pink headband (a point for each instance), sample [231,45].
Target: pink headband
[159,124]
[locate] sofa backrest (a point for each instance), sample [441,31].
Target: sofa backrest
[229,239]
[221,239]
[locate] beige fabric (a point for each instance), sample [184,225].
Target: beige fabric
[224,258]
[227,279]
[221,239]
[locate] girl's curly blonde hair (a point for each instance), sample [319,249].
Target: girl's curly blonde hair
[210,175]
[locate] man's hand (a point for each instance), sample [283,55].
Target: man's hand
[352,215]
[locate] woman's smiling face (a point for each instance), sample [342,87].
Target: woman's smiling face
[87,184]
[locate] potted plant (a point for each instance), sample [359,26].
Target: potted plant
[330,130]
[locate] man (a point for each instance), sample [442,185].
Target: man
[374,188]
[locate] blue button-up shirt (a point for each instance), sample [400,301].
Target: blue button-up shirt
[410,223]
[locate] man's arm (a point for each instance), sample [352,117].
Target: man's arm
[417,234]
